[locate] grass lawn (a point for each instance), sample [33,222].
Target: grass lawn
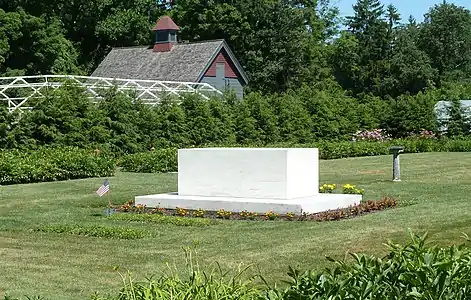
[436,187]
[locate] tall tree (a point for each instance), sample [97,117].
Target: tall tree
[32,45]
[410,68]
[378,55]
[445,36]
[370,34]
[370,29]
[94,26]
[345,61]
[458,123]
[393,18]
[275,40]
[281,43]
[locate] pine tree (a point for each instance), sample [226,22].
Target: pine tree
[456,124]
[369,28]
[393,17]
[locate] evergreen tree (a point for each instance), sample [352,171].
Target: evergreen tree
[224,127]
[410,69]
[370,30]
[393,18]
[445,36]
[171,125]
[198,116]
[457,124]
[410,114]
[6,123]
[294,121]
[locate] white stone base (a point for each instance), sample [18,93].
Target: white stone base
[314,204]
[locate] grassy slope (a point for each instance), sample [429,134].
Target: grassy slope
[70,267]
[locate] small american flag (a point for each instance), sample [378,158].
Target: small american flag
[104,188]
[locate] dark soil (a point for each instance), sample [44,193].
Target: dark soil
[331,215]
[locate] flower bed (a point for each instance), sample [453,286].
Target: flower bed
[338,214]
[328,188]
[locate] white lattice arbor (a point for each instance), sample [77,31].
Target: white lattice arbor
[19,92]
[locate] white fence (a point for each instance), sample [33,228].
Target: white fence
[18,92]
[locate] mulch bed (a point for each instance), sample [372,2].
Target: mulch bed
[331,215]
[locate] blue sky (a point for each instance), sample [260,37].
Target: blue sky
[416,8]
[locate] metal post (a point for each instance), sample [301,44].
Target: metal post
[396,150]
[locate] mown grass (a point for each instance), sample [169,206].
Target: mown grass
[158,219]
[434,192]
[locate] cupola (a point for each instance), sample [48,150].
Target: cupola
[165,34]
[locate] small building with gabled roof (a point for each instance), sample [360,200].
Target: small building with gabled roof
[211,62]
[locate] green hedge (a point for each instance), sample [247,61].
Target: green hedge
[165,160]
[53,165]
[65,117]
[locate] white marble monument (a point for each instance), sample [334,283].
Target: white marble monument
[253,179]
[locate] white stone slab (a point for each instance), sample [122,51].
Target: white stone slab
[261,173]
[313,204]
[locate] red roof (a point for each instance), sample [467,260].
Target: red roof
[165,23]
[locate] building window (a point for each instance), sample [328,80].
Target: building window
[173,37]
[220,70]
[162,36]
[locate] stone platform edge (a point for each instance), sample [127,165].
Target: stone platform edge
[313,204]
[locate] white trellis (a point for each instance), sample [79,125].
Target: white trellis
[17,92]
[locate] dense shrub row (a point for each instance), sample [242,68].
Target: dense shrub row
[65,117]
[327,119]
[157,161]
[165,160]
[53,164]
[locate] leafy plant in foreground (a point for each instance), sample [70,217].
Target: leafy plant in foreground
[190,283]
[411,271]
